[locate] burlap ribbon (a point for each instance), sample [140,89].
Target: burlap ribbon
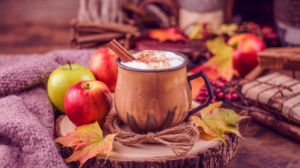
[180,138]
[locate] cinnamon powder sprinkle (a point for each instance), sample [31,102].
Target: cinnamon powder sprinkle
[154,59]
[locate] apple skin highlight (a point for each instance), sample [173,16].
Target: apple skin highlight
[103,65]
[62,78]
[245,55]
[88,101]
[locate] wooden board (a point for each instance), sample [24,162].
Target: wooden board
[206,154]
[280,58]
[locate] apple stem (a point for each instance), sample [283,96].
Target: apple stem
[70,65]
[87,85]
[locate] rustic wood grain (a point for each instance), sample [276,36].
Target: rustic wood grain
[35,26]
[31,38]
[265,148]
[280,58]
[38,11]
[287,129]
[206,154]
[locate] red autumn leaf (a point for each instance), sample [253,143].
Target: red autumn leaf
[171,33]
[218,65]
[89,142]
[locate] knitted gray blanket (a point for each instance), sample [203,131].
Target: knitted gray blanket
[26,114]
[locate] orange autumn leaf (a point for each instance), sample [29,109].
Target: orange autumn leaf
[89,142]
[218,65]
[217,121]
[197,83]
[171,33]
[204,135]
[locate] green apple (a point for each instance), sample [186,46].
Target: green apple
[62,78]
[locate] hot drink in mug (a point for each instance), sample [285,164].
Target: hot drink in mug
[153,92]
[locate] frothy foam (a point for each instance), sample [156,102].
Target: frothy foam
[151,59]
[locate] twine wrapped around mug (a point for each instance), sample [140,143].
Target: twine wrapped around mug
[180,138]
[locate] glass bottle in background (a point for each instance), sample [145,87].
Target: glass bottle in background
[192,12]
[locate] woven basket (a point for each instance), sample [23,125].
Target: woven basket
[288,12]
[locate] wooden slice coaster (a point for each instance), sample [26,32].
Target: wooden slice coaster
[206,154]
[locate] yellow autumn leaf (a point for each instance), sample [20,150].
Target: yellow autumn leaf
[218,65]
[216,121]
[195,34]
[229,29]
[222,58]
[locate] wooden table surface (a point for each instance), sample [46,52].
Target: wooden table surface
[35,26]
[265,148]
[262,147]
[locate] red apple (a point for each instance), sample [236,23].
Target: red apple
[103,65]
[245,56]
[87,101]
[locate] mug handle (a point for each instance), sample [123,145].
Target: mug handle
[209,90]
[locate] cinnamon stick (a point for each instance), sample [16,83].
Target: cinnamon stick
[127,41]
[72,34]
[91,30]
[123,28]
[99,37]
[120,51]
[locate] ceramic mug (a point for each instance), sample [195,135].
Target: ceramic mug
[150,100]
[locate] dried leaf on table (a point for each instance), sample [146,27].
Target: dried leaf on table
[218,65]
[217,121]
[171,33]
[228,29]
[89,142]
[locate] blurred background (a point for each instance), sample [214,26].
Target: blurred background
[35,25]
[42,25]
[230,40]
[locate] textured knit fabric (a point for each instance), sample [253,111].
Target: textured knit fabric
[26,113]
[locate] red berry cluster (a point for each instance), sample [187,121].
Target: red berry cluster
[206,30]
[219,86]
[267,33]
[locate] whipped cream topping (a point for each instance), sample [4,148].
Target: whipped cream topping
[152,59]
